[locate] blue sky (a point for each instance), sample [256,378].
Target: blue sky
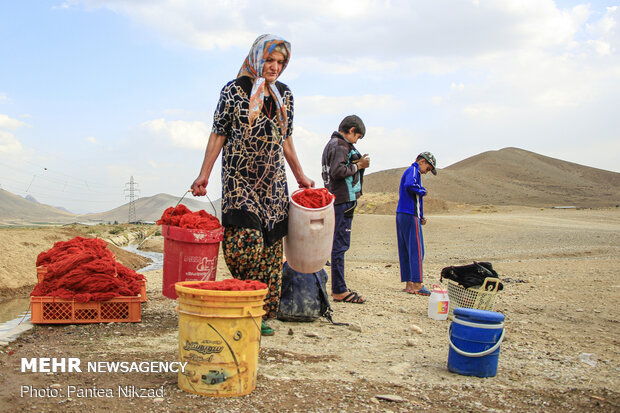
[94,92]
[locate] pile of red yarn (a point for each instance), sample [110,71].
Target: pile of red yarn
[183,217]
[231,284]
[84,269]
[313,197]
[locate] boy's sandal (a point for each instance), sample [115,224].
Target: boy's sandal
[422,291]
[265,330]
[352,297]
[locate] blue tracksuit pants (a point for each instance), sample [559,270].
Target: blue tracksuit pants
[410,247]
[342,240]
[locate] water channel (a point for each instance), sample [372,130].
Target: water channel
[15,312]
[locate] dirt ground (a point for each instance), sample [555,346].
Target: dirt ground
[561,351]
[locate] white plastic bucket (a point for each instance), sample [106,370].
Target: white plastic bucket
[308,244]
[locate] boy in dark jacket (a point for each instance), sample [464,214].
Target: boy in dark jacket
[343,172]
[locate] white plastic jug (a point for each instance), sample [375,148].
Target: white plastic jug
[308,244]
[438,303]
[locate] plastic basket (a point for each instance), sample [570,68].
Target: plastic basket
[41,271]
[143,291]
[52,310]
[481,297]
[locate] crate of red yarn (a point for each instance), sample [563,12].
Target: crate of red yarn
[52,310]
[41,271]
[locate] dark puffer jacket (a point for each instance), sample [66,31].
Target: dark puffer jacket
[340,174]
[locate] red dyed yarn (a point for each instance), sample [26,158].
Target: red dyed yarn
[183,217]
[313,197]
[83,269]
[231,284]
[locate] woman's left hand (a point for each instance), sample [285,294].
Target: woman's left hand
[305,182]
[423,221]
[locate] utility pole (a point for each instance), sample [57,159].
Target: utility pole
[133,189]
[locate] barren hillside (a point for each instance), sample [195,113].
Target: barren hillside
[511,176]
[15,210]
[151,208]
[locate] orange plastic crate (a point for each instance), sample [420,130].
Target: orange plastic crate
[52,310]
[143,291]
[41,271]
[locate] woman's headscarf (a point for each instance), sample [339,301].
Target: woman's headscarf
[253,67]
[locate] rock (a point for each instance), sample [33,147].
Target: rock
[158,399]
[290,332]
[355,327]
[410,342]
[390,398]
[588,358]
[311,334]
[415,329]
[400,369]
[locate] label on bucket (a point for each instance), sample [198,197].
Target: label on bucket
[204,268]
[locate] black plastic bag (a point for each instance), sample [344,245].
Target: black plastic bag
[471,275]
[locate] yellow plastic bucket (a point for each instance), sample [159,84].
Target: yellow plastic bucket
[219,338]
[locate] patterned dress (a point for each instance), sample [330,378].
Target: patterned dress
[254,188]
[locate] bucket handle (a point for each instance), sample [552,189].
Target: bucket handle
[482,353]
[175,207]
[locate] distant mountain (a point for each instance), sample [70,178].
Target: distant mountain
[31,198]
[151,208]
[15,210]
[512,176]
[64,210]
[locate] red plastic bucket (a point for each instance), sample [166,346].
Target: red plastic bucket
[189,255]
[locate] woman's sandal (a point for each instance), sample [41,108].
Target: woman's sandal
[352,297]
[265,330]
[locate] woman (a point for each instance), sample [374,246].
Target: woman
[253,124]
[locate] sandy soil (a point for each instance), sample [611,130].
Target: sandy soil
[560,269]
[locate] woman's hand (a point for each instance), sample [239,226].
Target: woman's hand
[305,182]
[199,187]
[423,221]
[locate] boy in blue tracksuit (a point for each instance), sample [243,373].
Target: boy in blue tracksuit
[409,221]
[343,174]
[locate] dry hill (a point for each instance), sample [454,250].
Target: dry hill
[15,210]
[151,208]
[509,176]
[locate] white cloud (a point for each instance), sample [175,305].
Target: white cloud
[320,105]
[184,134]
[9,123]
[8,143]
[92,139]
[4,98]
[481,109]
[386,28]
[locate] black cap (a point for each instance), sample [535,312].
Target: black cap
[430,159]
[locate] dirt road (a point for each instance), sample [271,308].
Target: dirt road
[560,353]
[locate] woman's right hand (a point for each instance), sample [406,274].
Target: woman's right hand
[199,187]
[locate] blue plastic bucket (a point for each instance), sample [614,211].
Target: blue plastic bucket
[475,337]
